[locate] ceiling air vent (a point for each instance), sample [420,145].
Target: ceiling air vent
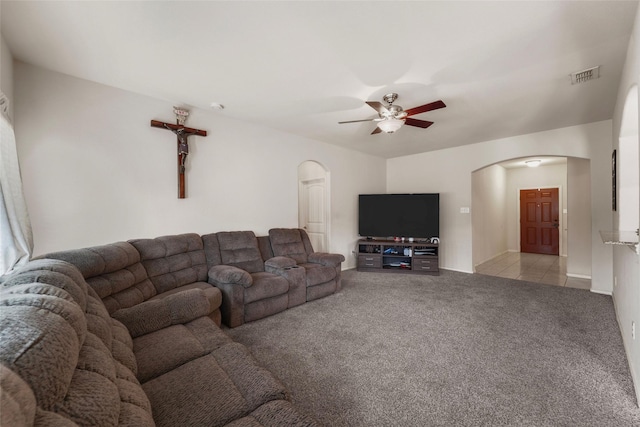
[585,75]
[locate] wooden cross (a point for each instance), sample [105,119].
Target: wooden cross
[182,133]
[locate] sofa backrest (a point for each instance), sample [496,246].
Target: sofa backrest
[114,271]
[264,243]
[240,249]
[291,242]
[63,357]
[173,261]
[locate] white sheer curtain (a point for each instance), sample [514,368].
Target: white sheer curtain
[16,240]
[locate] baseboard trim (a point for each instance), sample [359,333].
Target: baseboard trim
[635,379]
[596,291]
[579,276]
[489,259]
[455,269]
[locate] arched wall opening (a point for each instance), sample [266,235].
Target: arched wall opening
[314,210]
[496,209]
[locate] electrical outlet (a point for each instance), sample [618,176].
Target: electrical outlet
[633,330]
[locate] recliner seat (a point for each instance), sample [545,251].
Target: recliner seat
[323,270]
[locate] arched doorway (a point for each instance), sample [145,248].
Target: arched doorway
[497,220]
[314,203]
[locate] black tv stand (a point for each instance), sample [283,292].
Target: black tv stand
[417,257]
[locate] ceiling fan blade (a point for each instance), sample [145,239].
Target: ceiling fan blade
[356,121]
[378,106]
[376,130]
[418,123]
[424,108]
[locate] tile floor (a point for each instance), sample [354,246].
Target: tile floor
[547,269]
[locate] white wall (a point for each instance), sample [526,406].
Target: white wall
[526,178]
[95,172]
[6,73]
[626,268]
[579,218]
[489,219]
[449,173]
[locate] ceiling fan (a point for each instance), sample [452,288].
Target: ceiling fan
[392,117]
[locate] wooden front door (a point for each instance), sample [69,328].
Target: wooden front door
[539,215]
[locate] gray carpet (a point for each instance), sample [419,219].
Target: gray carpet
[451,350]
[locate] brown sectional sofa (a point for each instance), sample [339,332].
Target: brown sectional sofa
[128,333]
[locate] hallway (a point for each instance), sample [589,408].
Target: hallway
[538,268]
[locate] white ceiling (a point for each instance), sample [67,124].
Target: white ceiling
[502,68]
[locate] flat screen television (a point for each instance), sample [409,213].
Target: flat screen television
[399,215]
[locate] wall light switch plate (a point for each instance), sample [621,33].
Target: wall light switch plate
[465,210]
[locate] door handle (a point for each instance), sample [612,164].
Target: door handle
[556,225]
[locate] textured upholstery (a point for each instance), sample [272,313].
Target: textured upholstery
[248,291]
[241,387]
[177,263]
[153,315]
[288,242]
[114,271]
[64,361]
[173,261]
[58,338]
[323,270]
[118,273]
[240,249]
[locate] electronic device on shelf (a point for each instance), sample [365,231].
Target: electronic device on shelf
[410,215]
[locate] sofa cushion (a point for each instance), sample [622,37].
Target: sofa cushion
[221,274]
[317,273]
[264,244]
[153,315]
[233,387]
[164,350]
[213,294]
[265,285]
[17,400]
[64,352]
[288,242]
[114,271]
[39,327]
[173,261]
[211,249]
[240,249]
[60,275]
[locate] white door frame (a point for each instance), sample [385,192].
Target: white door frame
[325,176]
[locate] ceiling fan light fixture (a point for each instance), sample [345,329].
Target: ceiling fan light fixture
[390,125]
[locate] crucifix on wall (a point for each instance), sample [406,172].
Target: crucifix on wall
[182,134]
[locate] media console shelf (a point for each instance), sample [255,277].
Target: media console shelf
[398,257]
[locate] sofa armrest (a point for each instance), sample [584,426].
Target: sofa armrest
[279,262]
[295,275]
[150,316]
[232,282]
[219,274]
[332,260]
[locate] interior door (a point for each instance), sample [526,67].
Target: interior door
[313,212]
[539,221]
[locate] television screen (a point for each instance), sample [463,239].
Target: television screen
[399,215]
